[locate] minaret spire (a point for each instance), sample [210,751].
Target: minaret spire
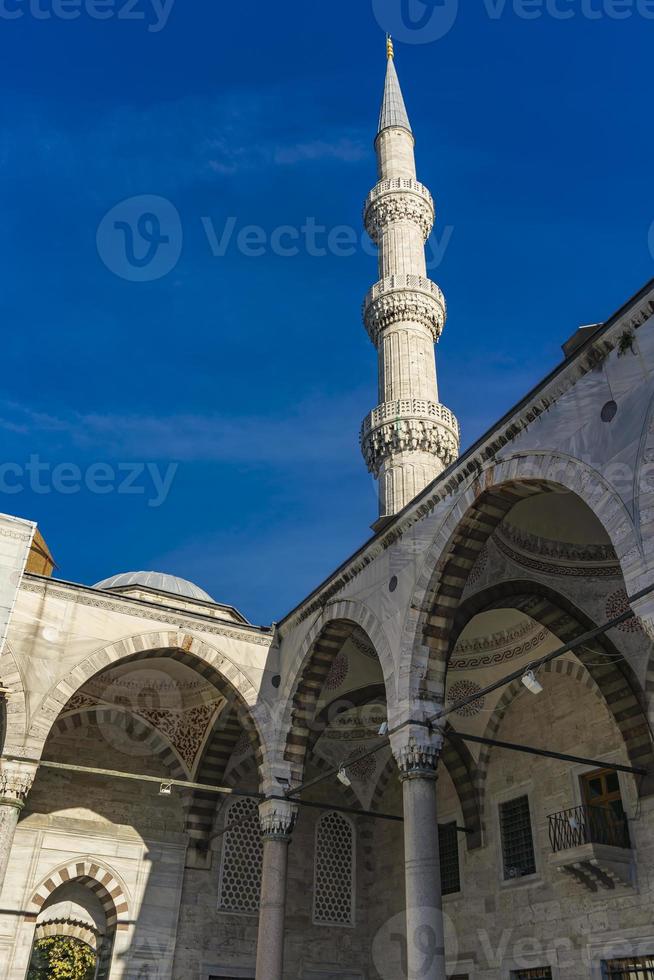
[410,437]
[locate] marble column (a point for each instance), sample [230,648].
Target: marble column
[16,779]
[417,758]
[277,818]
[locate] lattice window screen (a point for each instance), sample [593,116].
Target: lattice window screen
[240,872]
[333,892]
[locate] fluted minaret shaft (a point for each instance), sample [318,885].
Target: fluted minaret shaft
[410,437]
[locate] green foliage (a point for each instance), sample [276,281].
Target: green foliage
[61,958]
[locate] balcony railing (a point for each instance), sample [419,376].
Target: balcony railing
[587,825]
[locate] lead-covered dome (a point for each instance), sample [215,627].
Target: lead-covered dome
[158,581]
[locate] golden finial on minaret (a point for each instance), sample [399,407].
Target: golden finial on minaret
[390,52]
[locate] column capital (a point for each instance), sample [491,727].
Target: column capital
[277,819]
[16,780]
[417,750]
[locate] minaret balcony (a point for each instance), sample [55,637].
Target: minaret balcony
[398,199]
[409,425]
[404,299]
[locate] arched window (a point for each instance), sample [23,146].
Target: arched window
[333,890]
[240,868]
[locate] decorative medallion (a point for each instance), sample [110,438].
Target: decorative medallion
[338,673]
[462,690]
[616,604]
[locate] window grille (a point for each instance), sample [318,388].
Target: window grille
[517,840]
[333,893]
[240,872]
[448,847]
[541,973]
[634,968]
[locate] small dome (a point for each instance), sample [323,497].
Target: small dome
[157,581]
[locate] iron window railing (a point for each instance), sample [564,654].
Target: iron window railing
[517,840]
[540,973]
[633,968]
[448,846]
[587,825]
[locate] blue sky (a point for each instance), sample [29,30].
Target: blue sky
[250,373]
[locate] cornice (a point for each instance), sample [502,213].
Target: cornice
[140,609]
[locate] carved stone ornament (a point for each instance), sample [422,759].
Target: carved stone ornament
[277,819]
[398,205]
[417,756]
[408,435]
[404,306]
[15,783]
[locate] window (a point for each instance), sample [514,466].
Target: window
[634,968]
[333,891]
[240,871]
[517,842]
[540,973]
[448,847]
[601,788]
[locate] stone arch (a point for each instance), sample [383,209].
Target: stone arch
[333,627]
[481,505]
[14,712]
[98,877]
[211,769]
[611,678]
[185,648]
[68,928]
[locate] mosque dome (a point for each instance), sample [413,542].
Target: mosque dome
[157,581]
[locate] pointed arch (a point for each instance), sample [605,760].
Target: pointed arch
[324,641]
[482,503]
[204,660]
[610,673]
[98,876]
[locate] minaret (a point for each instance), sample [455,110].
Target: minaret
[409,438]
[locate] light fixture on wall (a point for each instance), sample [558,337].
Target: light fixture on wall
[531,682]
[166,788]
[343,777]
[383,729]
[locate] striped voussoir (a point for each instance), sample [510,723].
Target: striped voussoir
[228,729]
[102,882]
[69,928]
[328,644]
[481,519]
[105,719]
[608,670]
[462,769]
